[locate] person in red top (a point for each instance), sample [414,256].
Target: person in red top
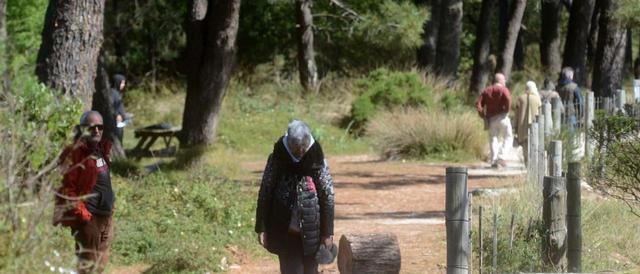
[493,106]
[85,200]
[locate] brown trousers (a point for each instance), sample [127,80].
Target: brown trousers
[93,239]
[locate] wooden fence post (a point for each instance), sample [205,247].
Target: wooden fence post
[548,120]
[511,231]
[494,255]
[554,216]
[541,148]
[533,140]
[470,214]
[621,99]
[480,240]
[589,116]
[556,105]
[574,241]
[555,165]
[457,220]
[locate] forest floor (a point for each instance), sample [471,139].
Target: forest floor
[403,198]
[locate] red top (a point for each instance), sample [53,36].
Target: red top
[80,175]
[493,100]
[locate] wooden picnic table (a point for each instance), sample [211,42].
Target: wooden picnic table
[148,136]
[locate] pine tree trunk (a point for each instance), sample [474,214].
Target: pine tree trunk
[609,63]
[481,68]
[518,51]
[575,48]
[103,103]
[71,40]
[3,45]
[592,44]
[515,21]
[449,34]
[550,37]
[306,60]
[628,53]
[211,42]
[427,53]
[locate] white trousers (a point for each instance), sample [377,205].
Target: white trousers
[500,126]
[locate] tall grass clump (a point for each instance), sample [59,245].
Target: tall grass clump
[610,232]
[420,133]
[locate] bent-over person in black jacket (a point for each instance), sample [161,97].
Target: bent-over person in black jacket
[296,201]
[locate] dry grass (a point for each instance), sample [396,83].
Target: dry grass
[419,133]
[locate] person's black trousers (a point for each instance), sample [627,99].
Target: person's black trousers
[293,261]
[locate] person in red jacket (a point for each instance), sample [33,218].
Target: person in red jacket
[493,106]
[85,200]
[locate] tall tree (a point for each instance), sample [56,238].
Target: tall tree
[211,43]
[71,41]
[306,60]
[550,36]
[628,52]
[515,22]
[592,43]
[575,48]
[482,48]
[3,44]
[449,34]
[427,53]
[612,40]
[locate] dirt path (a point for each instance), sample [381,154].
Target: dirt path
[407,199]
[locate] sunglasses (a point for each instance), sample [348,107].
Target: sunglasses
[91,128]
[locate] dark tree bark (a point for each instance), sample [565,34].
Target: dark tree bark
[211,43]
[515,21]
[481,68]
[3,45]
[103,103]
[609,63]
[427,53]
[550,37]
[71,41]
[628,52]
[518,51]
[449,34]
[503,23]
[575,48]
[592,43]
[304,34]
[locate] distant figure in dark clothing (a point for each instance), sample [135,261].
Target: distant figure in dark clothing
[296,202]
[117,90]
[571,97]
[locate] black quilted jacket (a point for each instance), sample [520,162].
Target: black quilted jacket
[283,186]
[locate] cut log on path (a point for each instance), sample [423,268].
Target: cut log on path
[369,253]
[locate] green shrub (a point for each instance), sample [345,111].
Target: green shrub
[35,124]
[417,133]
[383,89]
[181,221]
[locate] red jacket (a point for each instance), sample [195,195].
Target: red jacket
[80,175]
[493,100]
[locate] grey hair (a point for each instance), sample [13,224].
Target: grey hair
[298,132]
[567,73]
[84,119]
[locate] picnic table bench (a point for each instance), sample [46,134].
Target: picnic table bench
[149,135]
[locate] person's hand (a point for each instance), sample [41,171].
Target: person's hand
[119,118]
[262,239]
[327,241]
